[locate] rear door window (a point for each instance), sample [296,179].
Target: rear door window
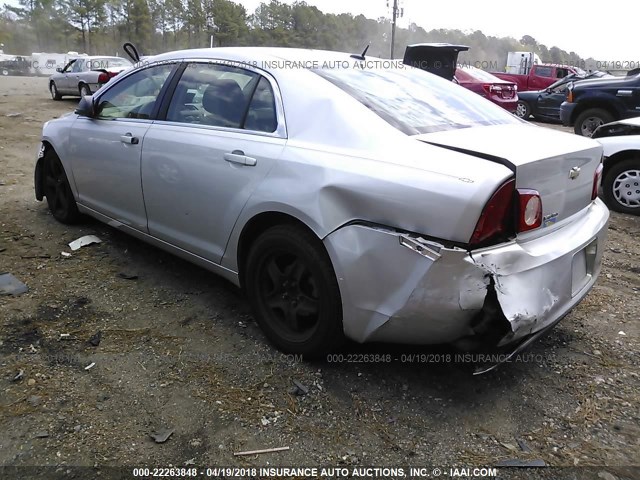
[223,96]
[543,71]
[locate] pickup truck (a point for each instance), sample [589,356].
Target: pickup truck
[539,77]
[17,66]
[592,103]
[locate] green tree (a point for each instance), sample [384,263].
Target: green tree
[138,24]
[230,21]
[86,16]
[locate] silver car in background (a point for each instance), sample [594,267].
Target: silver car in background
[84,75]
[350,197]
[621,176]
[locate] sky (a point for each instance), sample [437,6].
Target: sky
[572,26]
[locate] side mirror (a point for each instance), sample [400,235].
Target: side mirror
[59,69]
[86,107]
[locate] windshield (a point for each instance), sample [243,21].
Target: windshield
[562,81]
[415,101]
[576,77]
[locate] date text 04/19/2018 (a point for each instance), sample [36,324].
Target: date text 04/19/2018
[435,358]
[316,472]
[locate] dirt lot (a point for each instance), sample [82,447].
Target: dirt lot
[179,350]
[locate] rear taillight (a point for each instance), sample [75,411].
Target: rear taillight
[597,178]
[104,77]
[496,219]
[489,88]
[508,211]
[530,213]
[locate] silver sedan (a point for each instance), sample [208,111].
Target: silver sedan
[351,197]
[84,75]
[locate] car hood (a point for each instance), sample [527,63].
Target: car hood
[634,122]
[604,82]
[622,128]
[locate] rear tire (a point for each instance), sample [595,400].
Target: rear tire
[60,199]
[84,90]
[5,72]
[621,186]
[523,110]
[293,291]
[55,95]
[589,120]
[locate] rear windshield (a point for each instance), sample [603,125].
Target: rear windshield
[416,102]
[480,74]
[109,62]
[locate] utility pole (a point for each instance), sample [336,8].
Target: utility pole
[397,12]
[211,28]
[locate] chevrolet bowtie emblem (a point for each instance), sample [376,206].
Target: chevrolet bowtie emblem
[574,173]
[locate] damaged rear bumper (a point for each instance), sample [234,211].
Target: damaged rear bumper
[401,288]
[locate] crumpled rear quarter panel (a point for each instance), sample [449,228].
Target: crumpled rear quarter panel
[428,296]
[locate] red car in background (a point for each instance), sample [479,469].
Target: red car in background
[540,76]
[499,91]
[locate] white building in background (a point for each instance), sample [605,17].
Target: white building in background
[47,63]
[519,63]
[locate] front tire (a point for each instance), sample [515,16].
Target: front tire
[60,199]
[589,120]
[55,95]
[523,110]
[5,72]
[293,291]
[621,186]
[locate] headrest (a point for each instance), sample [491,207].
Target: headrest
[224,98]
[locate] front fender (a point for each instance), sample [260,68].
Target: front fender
[602,100]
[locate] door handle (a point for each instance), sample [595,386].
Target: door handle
[129,139]
[238,156]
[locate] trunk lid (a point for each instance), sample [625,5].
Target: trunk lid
[560,166]
[438,58]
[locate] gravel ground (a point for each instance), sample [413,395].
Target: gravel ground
[180,351]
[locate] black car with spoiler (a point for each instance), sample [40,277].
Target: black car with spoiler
[545,104]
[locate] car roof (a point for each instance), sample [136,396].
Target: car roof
[93,57]
[252,55]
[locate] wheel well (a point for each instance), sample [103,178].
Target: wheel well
[255,227]
[618,157]
[583,106]
[39,180]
